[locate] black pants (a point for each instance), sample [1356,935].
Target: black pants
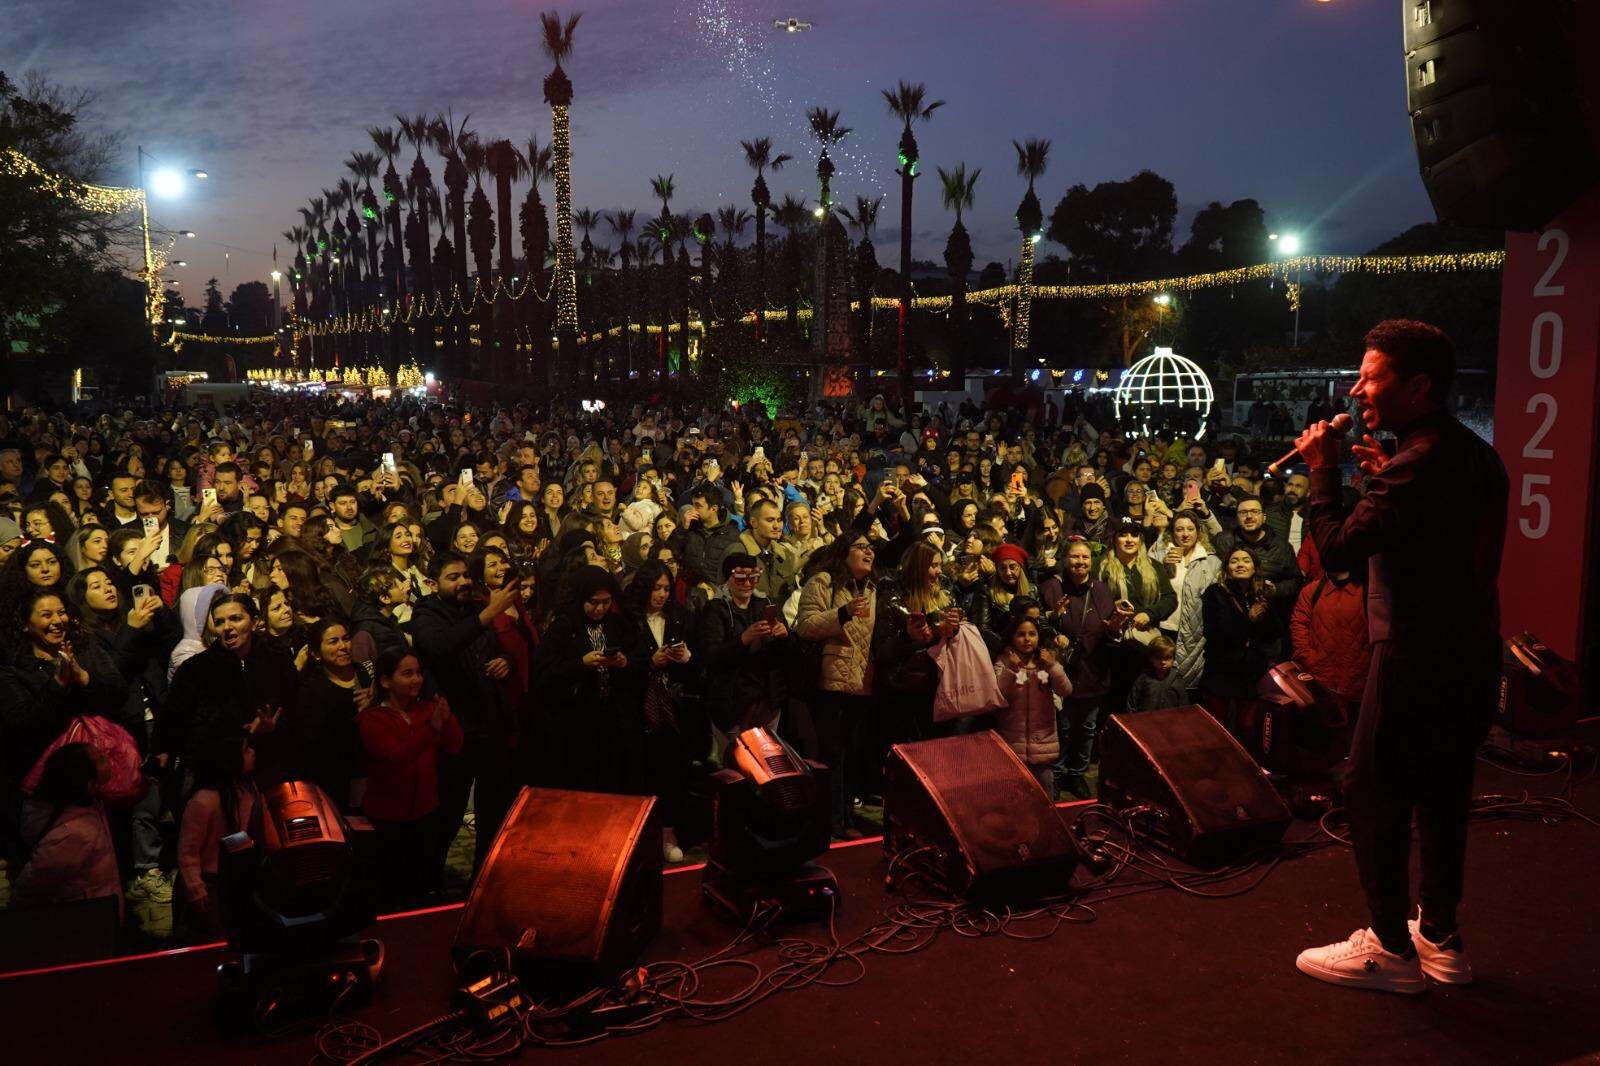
[1422,718]
[841,721]
[486,763]
[405,872]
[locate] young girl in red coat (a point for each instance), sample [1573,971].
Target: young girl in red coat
[402,737]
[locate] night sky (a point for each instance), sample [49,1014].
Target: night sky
[1296,103]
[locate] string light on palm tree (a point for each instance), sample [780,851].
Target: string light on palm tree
[558,94]
[758,155]
[1289,245]
[1032,156]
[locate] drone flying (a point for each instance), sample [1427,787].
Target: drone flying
[790,25]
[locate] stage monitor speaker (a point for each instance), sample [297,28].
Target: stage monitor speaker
[969,813]
[1500,111]
[571,888]
[1203,797]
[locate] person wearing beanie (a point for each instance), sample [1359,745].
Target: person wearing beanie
[1094,517]
[10,538]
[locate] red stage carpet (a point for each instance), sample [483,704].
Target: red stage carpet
[1159,977]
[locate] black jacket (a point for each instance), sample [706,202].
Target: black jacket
[216,693]
[321,738]
[35,708]
[704,549]
[1238,651]
[1437,507]
[1277,562]
[591,719]
[454,647]
[739,675]
[381,629]
[1082,614]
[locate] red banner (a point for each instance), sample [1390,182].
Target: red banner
[1544,424]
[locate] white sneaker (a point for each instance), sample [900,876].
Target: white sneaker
[1362,962]
[1445,962]
[149,887]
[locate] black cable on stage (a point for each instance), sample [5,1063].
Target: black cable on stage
[656,993]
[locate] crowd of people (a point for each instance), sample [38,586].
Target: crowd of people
[422,607]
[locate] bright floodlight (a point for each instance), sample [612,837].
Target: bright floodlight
[277,275]
[1163,298]
[1289,244]
[166,183]
[1159,383]
[199,175]
[819,211]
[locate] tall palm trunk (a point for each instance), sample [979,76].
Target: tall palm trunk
[908,174]
[558,90]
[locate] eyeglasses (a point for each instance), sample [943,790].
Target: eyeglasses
[869,549]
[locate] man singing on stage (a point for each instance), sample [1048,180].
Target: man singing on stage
[1430,530]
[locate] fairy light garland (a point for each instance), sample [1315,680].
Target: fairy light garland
[388,317]
[100,199]
[1020,335]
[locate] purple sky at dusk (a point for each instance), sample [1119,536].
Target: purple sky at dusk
[1296,103]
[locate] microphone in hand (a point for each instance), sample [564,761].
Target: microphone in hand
[1339,425]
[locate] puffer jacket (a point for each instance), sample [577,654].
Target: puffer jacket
[1028,721]
[1329,632]
[847,645]
[1190,662]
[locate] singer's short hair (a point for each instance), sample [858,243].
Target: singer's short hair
[1417,348]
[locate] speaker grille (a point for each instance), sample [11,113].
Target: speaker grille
[1212,800]
[973,802]
[569,873]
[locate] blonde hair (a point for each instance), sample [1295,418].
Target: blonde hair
[1115,575]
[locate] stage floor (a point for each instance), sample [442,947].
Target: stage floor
[1158,977]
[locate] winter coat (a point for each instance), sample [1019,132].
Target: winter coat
[372,633]
[73,860]
[704,549]
[1158,601]
[402,754]
[1151,693]
[590,722]
[1084,611]
[216,693]
[1328,631]
[35,708]
[321,737]
[454,646]
[738,676]
[200,835]
[779,566]
[846,642]
[1028,721]
[1191,636]
[1239,651]
[1276,562]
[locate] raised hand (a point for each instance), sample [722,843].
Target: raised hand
[1370,455]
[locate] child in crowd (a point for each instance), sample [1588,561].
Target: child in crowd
[1032,682]
[225,801]
[402,736]
[1158,685]
[72,856]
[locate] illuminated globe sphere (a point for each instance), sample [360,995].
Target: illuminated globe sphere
[1160,385]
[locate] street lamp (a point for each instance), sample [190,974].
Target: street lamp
[165,182]
[1163,299]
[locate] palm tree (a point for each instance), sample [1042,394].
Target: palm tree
[794,217]
[958,187]
[586,219]
[1032,155]
[534,227]
[732,221]
[387,142]
[364,165]
[826,129]
[480,216]
[664,225]
[508,165]
[865,219]
[558,94]
[452,140]
[758,155]
[622,223]
[907,102]
[418,132]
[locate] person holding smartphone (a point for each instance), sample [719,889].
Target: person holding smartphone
[662,630]
[591,670]
[839,610]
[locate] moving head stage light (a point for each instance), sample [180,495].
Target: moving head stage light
[770,818]
[292,899]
